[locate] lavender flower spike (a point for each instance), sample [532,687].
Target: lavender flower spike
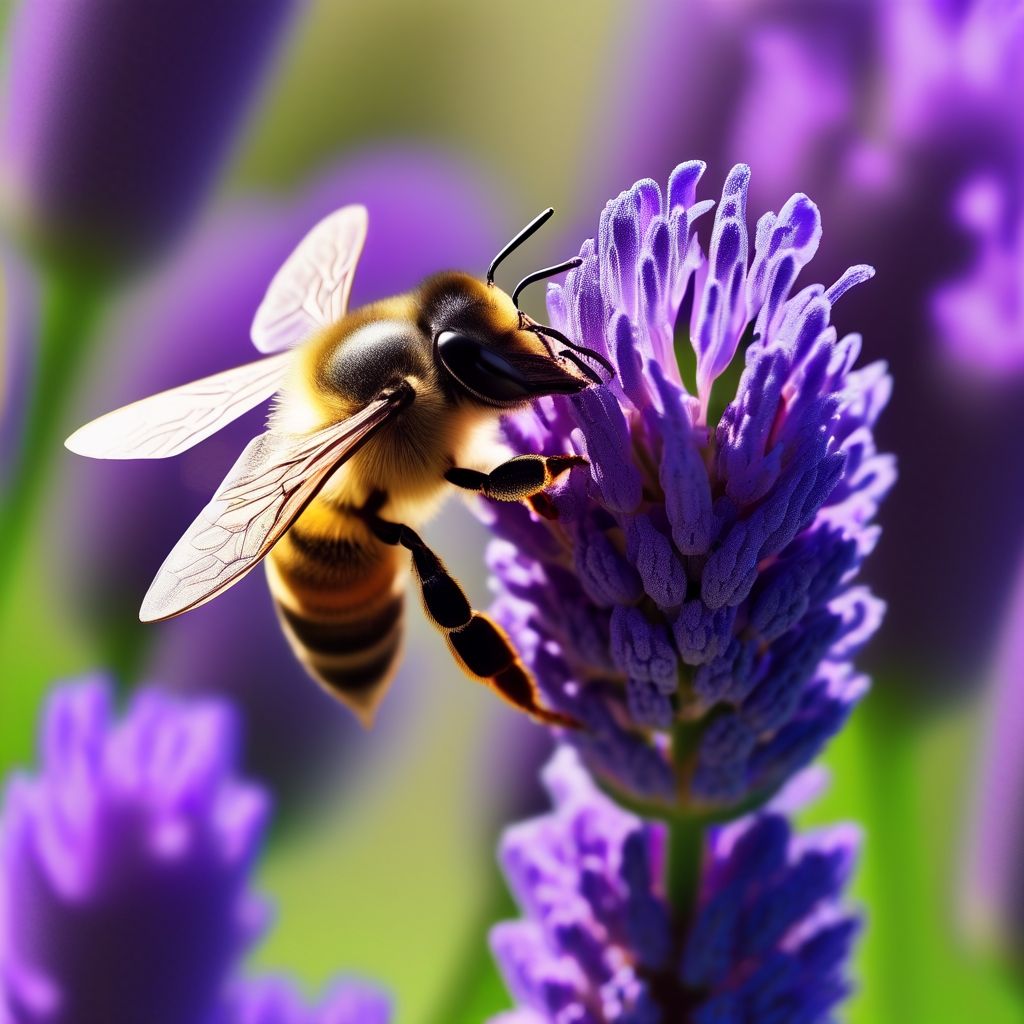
[117,116]
[767,942]
[124,870]
[691,598]
[124,865]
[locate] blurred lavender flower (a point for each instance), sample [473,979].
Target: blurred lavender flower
[117,117]
[991,893]
[904,121]
[767,942]
[275,1001]
[698,581]
[981,313]
[126,863]
[970,65]
[124,870]
[426,211]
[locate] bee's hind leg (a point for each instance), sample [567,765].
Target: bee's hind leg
[524,478]
[480,645]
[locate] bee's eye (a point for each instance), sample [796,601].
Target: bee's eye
[480,369]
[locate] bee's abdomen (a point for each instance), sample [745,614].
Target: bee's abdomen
[340,603]
[353,654]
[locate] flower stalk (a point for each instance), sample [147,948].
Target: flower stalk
[71,306]
[684,863]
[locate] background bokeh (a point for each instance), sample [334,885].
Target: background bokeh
[455,122]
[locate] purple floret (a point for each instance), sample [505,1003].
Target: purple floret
[767,942]
[700,574]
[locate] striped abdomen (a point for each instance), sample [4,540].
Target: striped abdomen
[339,596]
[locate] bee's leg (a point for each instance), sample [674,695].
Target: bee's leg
[480,645]
[523,478]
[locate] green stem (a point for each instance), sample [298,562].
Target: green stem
[685,853]
[683,862]
[896,965]
[70,309]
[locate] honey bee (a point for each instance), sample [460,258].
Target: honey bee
[377,413]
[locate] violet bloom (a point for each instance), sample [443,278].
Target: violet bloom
[904,121]
[427,211]
[971,72]
[124,874]
[767,941]
[117,116]
[125,864]
[693,602]
[981,312]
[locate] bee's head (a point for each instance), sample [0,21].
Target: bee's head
[488,350]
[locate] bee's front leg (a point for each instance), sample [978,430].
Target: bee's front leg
[523,478]
[480,645]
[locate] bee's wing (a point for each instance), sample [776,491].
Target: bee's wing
[268,487]
[174,421]
[311,290]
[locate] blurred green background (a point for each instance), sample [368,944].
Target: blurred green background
[391,874]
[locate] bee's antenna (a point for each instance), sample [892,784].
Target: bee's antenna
[583,351]
[542,218]
[539,275]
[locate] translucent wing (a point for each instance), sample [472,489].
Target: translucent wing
[311,290]
[174,421]
[268,487]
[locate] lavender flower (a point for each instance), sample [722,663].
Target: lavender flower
[967,61]
[981,313]
[698,580]
[117,117]
[904,121]
[124,870]
[767,941]
[126,862]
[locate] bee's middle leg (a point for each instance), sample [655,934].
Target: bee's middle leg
[523,478]
[479,644]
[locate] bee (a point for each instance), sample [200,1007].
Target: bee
[377,414]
